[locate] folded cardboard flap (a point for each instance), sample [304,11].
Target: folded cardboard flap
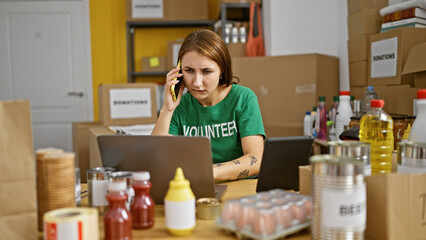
[416,63]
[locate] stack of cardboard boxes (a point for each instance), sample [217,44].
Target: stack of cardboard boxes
[389,61]
[119,105]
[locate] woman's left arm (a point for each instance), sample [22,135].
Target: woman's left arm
[244,166]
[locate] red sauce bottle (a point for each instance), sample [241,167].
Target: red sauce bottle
[142,207]
[117,220]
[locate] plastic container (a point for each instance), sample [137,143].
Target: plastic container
[368,96]
[313,122]
[143,206]
[307,124]
[344,112]
[376,128]
[321,119]
[268,215]
[418,130]
[117,220]
[179,206]
[333,109]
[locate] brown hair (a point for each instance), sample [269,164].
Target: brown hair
[209,44]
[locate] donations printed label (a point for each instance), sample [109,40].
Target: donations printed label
[384,56]
[130,103]
[147,9]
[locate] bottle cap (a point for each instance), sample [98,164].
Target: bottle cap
[321,98]
[314,109]
[345,93]
[117,186]
[308,113]
[329,123]
[421,94]
[179,180]
[336,98]
[370,88]
[352,98]
[377,103]
[141,176]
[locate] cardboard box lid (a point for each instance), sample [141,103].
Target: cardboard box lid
[416,59]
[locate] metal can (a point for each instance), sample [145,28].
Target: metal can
[97,187]
[358,150]
[124,176]
[339,195]
[412,157]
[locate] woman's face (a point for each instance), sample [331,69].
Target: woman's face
[201,77]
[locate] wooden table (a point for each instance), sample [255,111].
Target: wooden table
[204,229]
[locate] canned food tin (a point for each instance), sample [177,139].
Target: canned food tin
[208,208]
[412,157]
[339,195]
[358,150]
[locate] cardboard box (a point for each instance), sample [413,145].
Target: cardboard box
[237,49]
[154,64]
[215,8]
[127,104]
[358,5]
[388,52]
[416,63]
[288,86]
[358,73]
[364,22]
[80,138]
[358,92]
[396,204]
[173,53]
[305,180]
[358,48]
[94,153]
[148,10]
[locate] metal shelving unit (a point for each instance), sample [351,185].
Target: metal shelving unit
[224,13]
[131,26]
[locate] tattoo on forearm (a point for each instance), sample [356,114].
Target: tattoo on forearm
[243,174]
[236,161]
[219,164]
[253,160]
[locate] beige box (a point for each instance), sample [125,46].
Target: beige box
[358,92]
[148,10]
[173,53]
[416,64]
[396,204]
[94,153]
[237,49]
[288,86]
[388,52]
[127,104]
[80,138]
[358,72]
[358,48]
[358,5]
[364,22]
[154,64]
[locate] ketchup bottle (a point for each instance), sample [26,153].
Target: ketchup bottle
[142,207]
[117,220]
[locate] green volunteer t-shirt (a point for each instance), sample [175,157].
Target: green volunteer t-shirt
[236,116]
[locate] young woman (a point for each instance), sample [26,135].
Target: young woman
[214,107]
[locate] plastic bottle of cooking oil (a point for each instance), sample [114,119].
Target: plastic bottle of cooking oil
[376,128]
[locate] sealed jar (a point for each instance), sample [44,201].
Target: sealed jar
[97,187]
[399,126]
[412,157]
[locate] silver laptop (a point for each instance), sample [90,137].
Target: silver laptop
[161,155]
[281,159]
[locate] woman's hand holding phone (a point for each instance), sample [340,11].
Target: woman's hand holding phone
[174,81]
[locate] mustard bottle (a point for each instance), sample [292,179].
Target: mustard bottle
[179,206]
[406,133]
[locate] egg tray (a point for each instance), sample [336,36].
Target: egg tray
[268,215]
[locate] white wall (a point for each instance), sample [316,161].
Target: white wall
[307,26]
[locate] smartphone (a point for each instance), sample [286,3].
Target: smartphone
[174,89]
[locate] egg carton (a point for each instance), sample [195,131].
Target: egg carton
[268,215]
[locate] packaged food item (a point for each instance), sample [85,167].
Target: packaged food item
[268,215]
